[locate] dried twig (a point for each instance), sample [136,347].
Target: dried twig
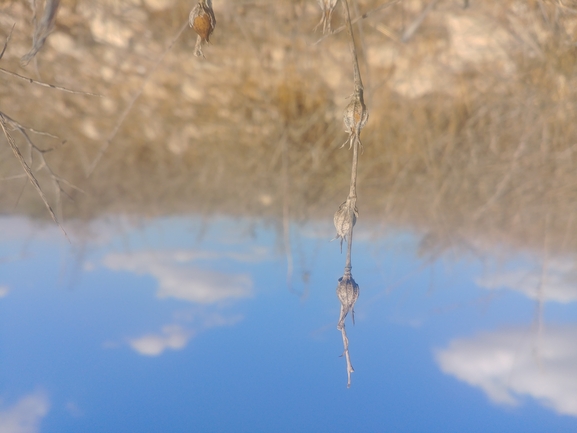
[40,83]
[350,368]
[57,180]
[355,118]
[52,86]
[42,29]
[7,40]
[327,7]
[360,17]
[356,114]
[28,171]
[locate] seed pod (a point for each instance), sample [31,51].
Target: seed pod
[203,22]
[355,118]
[348,293]
[345,218]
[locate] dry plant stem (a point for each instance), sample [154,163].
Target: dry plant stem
[42,29]
[361,17]
[350,368]
[356,71]
[28,171]
[353,198]
[40,83]
[7,40]
[362,42]
[52,86]
[356,114]
[43,164]
[21,127]
[132,101]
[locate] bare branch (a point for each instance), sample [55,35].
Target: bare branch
[7,40]
[52,86]
[350,368]
[42,29]
[28,171]
[360,17]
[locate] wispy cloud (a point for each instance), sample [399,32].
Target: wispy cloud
[4,290]
[178,278]
[558,284]
[512,363]
[176,337]
[25,415]
[171,337]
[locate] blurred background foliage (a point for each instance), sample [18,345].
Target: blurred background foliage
[472,138]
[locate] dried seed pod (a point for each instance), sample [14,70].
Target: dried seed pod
[327,7]
[345,218]
[348,293]
[355,118]
[203,22]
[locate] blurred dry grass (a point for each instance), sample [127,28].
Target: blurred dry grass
[472,132]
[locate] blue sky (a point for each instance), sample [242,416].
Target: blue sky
[178,325]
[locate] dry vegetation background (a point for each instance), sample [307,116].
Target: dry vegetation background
[472,133]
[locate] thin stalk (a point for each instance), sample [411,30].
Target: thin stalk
[356,71]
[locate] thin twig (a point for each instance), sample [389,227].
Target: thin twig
[16,125]
[52,86]
[7,40]
[29,173]
[352,47]
[16,176]
[356,115]
[42,29]
[350,368]
[361,17]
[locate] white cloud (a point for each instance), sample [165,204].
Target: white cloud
[512,363]
[25,415]
[178,279]
[176,337]
[4,290]
[559,283]
[172,337]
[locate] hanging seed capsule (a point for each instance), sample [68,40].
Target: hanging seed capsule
[203,22]
[355,118]
[345,218]
[348,293]
[327,7]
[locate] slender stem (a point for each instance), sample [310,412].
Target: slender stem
[353,203]
[356,71]
[350,368]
